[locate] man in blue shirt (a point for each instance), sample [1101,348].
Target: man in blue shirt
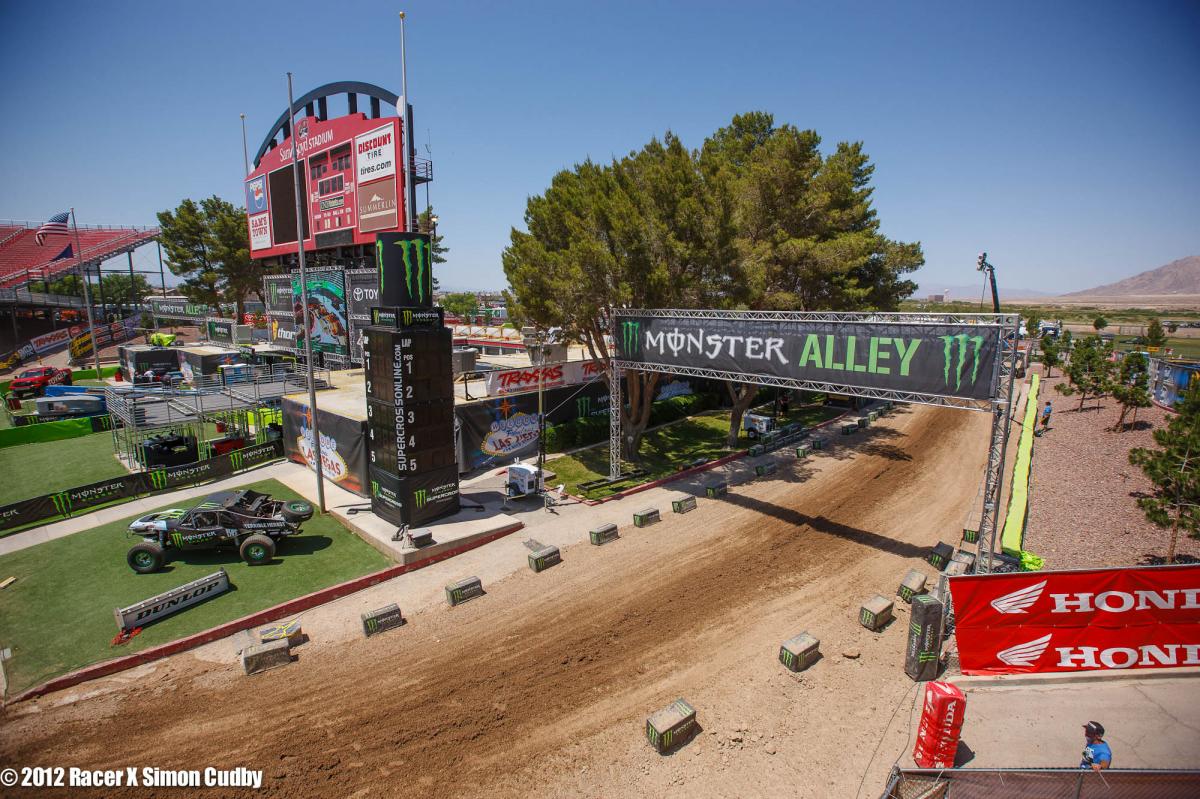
[1096,754]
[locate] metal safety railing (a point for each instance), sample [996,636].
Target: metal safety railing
[1042,784]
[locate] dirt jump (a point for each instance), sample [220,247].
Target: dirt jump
[542,687]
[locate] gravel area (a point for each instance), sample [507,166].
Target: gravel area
[1083,511]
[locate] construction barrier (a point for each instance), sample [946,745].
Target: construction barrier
[941,723]
[1018,503]
[671,726]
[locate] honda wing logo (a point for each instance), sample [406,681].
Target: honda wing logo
[962,343]
[630,337]
[1025,654]
[1019,601]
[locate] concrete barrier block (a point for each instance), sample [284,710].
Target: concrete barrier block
[646,517]
[463,590]
[970,536]
[289,630]
[912,585]
[955,568]
[764,469]
[683,503]
[603,534]
[382,619]
[875,613]
[940,555]
[873,416]
[964,557]
[757,450]
[817,443]
[849,428]
[803,451]
[422,537]
[862,421]
[671,726]
[544,558]
[714,490]
[261,657]
[797,654]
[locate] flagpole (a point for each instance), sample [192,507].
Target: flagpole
[312,389]
[406,134]
[87,294]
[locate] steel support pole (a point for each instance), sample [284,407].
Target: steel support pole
[308,357]
[87,295]
[615,404]
[993,492]
[133,297]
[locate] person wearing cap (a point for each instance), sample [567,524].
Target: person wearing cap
[1096,753]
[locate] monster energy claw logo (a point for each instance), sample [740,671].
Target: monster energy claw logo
[962,343]
[630,336]
[372,625]
[158,479]
[62,503]
[235,460]
[374,488]
[177,540]
[583,407]
[420,496]
[416,261]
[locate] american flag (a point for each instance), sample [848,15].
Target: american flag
[55,226]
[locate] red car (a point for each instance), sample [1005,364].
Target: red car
[34,381]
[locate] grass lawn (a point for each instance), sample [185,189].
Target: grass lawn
[58,615]
[664,449]
[31,470]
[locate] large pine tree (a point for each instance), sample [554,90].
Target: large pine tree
[1174,468]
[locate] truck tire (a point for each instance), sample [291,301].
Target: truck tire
[296,511]
[146,557]
[257,549]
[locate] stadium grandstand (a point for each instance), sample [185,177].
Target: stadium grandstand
[23,260]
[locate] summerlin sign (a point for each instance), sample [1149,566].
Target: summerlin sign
[933,358]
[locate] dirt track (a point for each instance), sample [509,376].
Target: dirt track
[542,687]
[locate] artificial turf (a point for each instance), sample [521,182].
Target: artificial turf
[30,470]
[58,615]
[666,448]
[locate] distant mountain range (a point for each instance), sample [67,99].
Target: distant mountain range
[1177,277]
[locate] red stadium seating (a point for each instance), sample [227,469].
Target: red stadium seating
[22,259]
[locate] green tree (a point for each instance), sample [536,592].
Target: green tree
[1049,357]
[1099,323]
[1174,468]
[1132,387]
[209,246]
[1089,374]
[116,289]
[792,230]
[1033,325]
[437,249]
[461,304]
[1155,336]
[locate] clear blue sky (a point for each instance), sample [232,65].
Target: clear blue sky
[1064,138]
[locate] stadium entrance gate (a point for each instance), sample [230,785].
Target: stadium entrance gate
[965,361]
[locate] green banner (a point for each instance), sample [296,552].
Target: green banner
[1018,503]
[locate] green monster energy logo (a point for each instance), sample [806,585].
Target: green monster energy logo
[630,336]
[374,488]
[235,460]
[62,503]
[786,657]
[379,262]
[158,479]
[372,625]
[963,341]
[408,316]
[177,540]
[583,407]
[415,250]
[420,497]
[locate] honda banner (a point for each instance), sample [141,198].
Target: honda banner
[1132,618]
[513,381]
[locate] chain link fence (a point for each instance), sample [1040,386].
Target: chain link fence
[1041,784]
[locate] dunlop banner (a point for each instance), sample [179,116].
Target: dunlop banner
[926,358]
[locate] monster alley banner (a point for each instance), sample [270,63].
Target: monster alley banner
[931,358]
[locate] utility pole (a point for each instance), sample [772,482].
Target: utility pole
[87,295]
[312,389]
[406,134]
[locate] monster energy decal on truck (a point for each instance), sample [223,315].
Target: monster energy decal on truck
[932,358]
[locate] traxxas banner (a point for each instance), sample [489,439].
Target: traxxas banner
[925,358]
[1136,618]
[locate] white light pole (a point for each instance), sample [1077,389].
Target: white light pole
[246,152]
[312,389]
[406,134]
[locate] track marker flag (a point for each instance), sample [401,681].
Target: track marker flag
[54,226]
